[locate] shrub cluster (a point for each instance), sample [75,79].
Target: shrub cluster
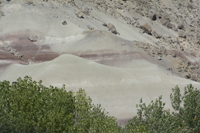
[184,119]
[28,106]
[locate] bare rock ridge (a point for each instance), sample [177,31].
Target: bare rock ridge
[117,50]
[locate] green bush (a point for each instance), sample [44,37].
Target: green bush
[185,119]
[187,109]
[153,117]
[92,119]
[28,106]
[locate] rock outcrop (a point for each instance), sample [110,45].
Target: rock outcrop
[112,28]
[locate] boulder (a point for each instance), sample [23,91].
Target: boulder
[86,12]
[112,28]
[20,56]
[64,23]
[33,38]
[181,34]
[152,15]
[147,28]
[173,55]
[119,6]
[156,35]
[104,24]
[174,28]
[188,63]
[140,12]
[166,16]
[159,58]
[159,16]
[29,2]
[164,22]
[194,77]
[12,52]
[80,14]
[71,2]
[188,76]
[181,48]
[181,26]
[100,2]
[90,27]
[169,25]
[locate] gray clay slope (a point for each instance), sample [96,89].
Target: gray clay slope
[112,49]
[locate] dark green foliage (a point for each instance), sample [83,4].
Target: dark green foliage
[153,117]
[188,108]
[28,106]
[185,119]
[135,129]
[92,119]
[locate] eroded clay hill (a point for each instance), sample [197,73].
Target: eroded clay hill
[118,51]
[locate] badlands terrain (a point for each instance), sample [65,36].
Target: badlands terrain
[118,51]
